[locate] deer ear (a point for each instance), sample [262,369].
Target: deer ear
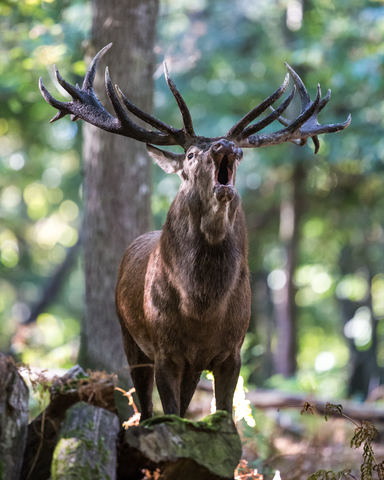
[170,162]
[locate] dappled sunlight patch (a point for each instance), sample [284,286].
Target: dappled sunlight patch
[315,282]
[55,229]
[50,342]
[321,283]
[306,297]
[359,328]
[9,256]
[316,342]
[324,361]
[55,195]
[70,163]
[35,196]
[17,161]
[69,210]
[10,197]
[51,177]
[277,279]
[241,406]
[9,249]
[353,287]
[50,54]
[377,290]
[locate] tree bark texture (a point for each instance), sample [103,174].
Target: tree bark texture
[87,445]
[117,174]
[284,298]
[43,432]
[13,419]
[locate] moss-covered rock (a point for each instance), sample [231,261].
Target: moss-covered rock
[95,388]
[86,449]
[209,449]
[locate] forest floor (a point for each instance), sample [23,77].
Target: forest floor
[299,445]
[295,443]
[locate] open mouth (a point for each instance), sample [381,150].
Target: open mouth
[224,173]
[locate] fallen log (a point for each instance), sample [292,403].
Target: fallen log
[178,449]
[276,399]
[87,444]
[43,432]
[13,419]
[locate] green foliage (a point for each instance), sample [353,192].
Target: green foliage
[364,434]
[40,179]
[330,475]
[331,408]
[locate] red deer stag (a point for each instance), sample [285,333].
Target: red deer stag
[183,295]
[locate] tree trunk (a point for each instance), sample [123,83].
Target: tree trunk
[13,419]
[117,175]
[365,373]
[284,298]
[87,444]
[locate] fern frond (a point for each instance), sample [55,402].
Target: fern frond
[332,408]
[308,407]
[379,468]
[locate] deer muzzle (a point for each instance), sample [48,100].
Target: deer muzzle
[224,154]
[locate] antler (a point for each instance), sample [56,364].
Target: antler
[296,131]
[86,106]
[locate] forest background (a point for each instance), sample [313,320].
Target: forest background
[315,222]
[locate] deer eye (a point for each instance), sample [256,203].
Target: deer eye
[190,156]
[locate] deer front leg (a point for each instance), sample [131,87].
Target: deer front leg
[168,379]
[141,371]
[226,375]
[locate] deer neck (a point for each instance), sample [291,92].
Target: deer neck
[209,217]
[202,268]
[193,226]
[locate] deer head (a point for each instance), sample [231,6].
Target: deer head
[208,166]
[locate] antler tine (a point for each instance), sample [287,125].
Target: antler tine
[130,128]
[67,87]
[281,119]
[258,110]
[146,117]
[58,116]
[304,95]
[299,130]
[301,142]
[91,72]
[270,118]
[330,128]
[61,106]
[305,115]
[187,119]
[315,139]
[324,101]
[86,106]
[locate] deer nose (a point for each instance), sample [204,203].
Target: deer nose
[224,146]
